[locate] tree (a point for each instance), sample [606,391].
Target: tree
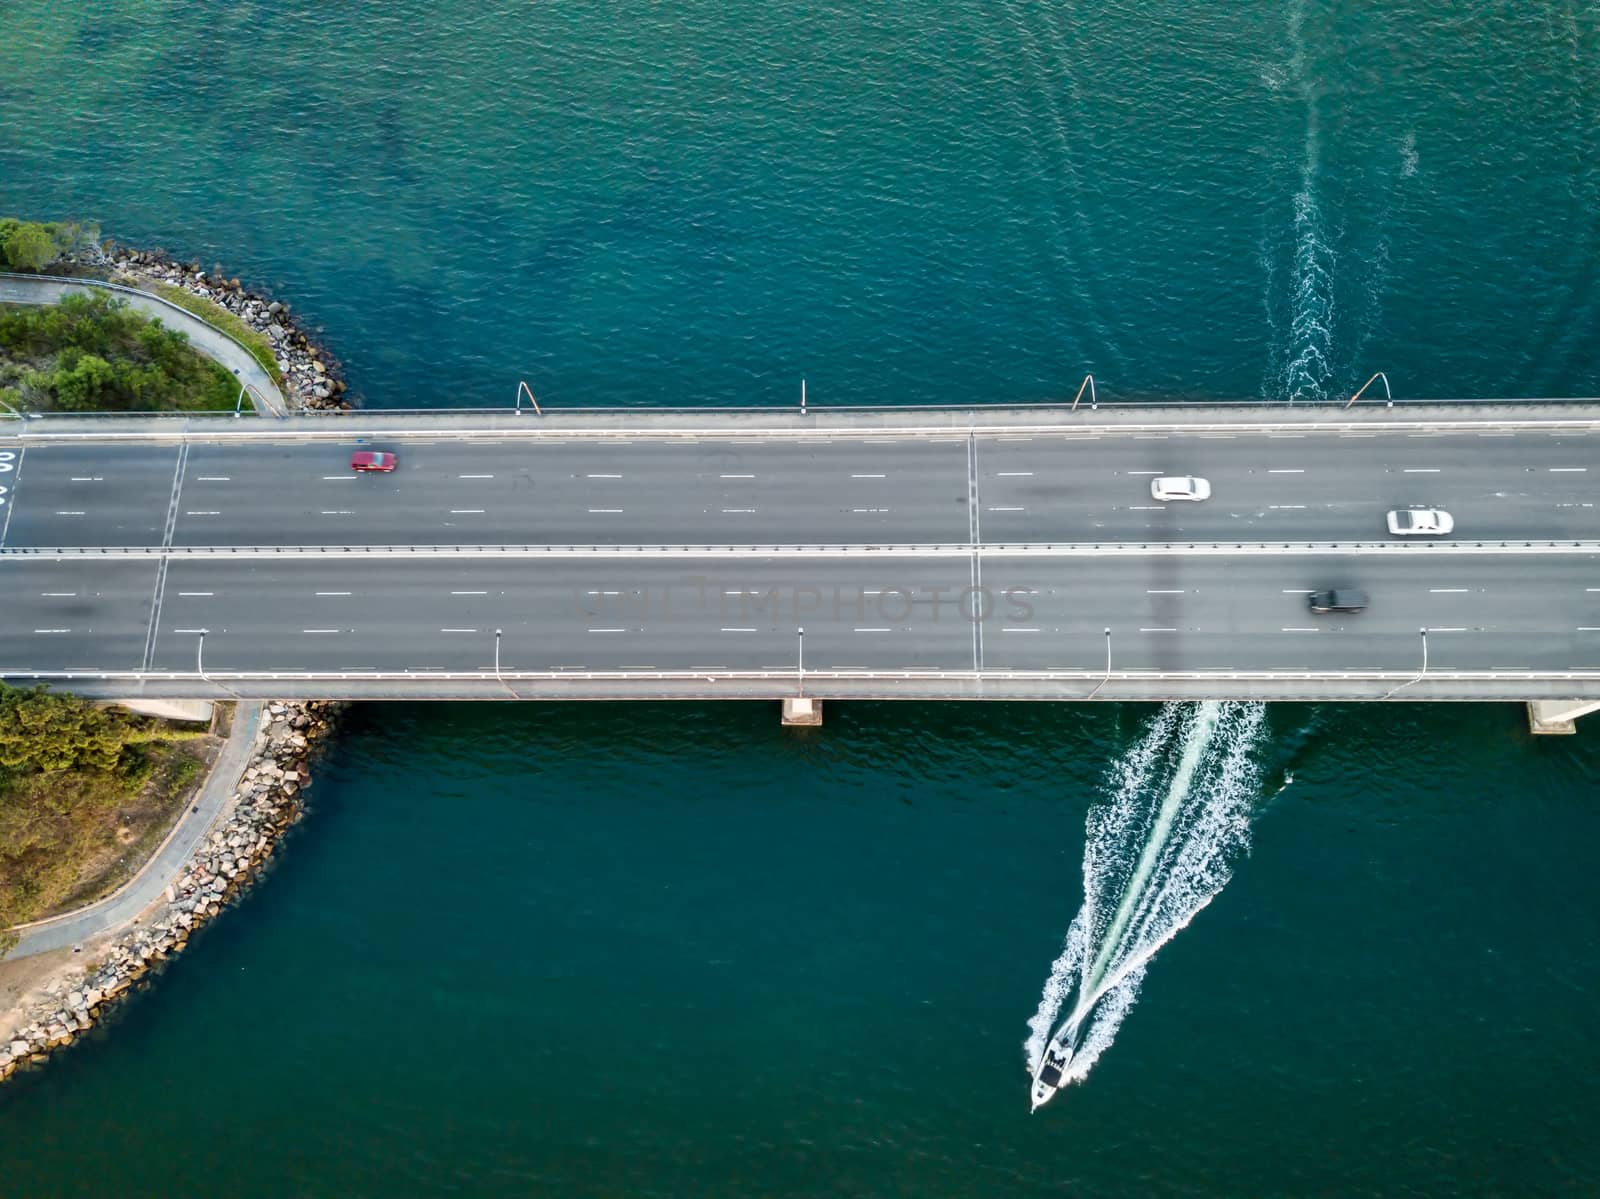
[80,386]
[29,247]
[44,732]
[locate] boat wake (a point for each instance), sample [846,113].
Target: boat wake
[1311,310]
[1156,852]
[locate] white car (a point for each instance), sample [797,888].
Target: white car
[1420,522]
[1180,488]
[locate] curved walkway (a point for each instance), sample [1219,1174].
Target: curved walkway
[166,863]
[203,336]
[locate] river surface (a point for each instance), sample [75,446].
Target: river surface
[674,950]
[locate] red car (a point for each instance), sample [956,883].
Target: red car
[371,460]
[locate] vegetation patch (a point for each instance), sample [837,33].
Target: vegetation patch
[32,245]
[259,345]
[86,794]
[94,353]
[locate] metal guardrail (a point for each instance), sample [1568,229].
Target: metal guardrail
[929,674]
[930,550]
[776,407]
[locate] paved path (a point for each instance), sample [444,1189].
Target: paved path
[143,889]
[203,336]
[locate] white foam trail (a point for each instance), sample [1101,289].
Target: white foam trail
[1308,371]
[1149,867]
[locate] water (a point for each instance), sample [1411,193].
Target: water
[591,950]
[1156,853]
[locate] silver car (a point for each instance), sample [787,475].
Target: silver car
[1420,522]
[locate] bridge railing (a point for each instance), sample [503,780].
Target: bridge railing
[1443,548]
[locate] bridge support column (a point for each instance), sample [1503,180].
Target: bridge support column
[802,709]
[1557,715]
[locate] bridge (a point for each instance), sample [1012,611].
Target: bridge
[1005,553]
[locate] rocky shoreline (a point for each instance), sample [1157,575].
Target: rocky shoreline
[312,376]
[265,803]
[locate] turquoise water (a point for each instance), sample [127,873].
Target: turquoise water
[675,950]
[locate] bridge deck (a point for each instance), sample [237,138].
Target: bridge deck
[924,554]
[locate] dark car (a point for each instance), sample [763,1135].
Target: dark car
[371,460]
[1337,600]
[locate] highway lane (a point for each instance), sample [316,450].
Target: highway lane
[569,614]
[576,493]
[79,495]
[844,491]
[80,614]
[915,613]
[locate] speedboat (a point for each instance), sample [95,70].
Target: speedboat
[1052,1071]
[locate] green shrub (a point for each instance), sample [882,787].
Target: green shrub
[28,246]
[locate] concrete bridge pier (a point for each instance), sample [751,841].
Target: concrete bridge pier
[1558,715]
[802,710]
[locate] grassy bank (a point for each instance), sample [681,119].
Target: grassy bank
[93,353]
[86,794]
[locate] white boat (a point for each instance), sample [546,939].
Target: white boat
[1052,1071]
